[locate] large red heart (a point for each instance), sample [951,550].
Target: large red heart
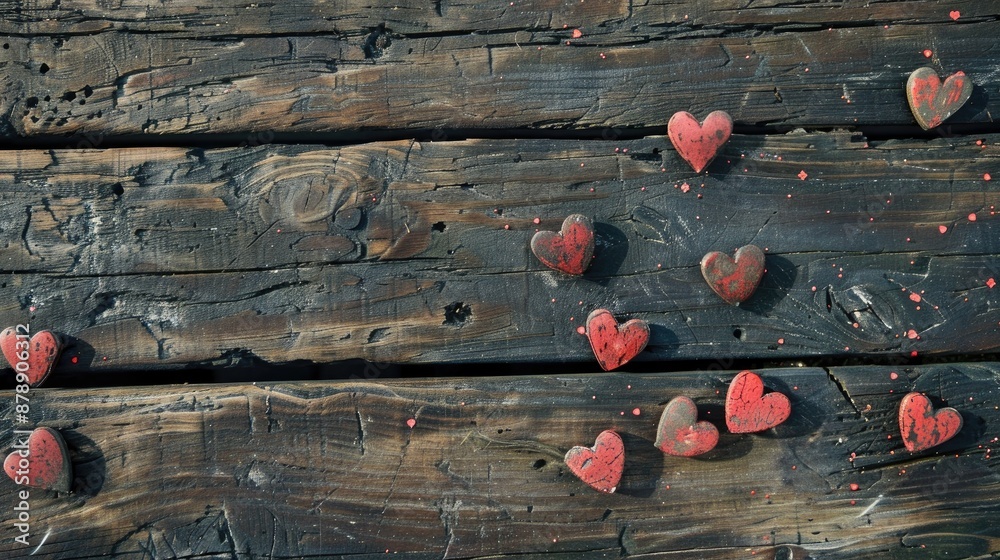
[679,432]
[922,427]
[39,353]
[569,250]
[748,409]
[698,142]
[734,279]
[615,344]
[599,466]
[931,101]
[41,461]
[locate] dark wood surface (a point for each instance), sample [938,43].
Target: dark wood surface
[296,184]
[320,469]
[400,252]
[197,67]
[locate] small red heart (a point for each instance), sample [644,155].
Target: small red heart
[571,249]
[955,14]
[599,466]
[698,143]
[922,427]
[40,462]
[734,279]
[679,432]
[42,351]
[613,344]
[748,409]
[931,101]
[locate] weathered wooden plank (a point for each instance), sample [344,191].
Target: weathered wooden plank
[630,69]
[418,252]
[596,17]
[294,470]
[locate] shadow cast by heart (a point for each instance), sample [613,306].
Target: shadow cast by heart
[779,278]
[89,465]
[806,416]
[643,465]
[610,250]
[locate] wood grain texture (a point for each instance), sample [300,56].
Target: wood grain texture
[300,470]
[310,67]
[412,252]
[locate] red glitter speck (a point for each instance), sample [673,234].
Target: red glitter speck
[781,341]
[955,14]
[636,412]
[74,359]
[581,330]
[972,217]
[928,53]
[803,174]
[991,282]
[685,187]
[577,33]
[893,375]
[411,422]
[537,221]
[987,177]
[911,334]
[943,229]
[915,297]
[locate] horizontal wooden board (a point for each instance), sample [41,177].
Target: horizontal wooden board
[413,252]
[179,69]
[596,17]
[301,470]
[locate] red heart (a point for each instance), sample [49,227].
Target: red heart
[698,142]
[613,344]
[680,433]
[955,14]
[42,461]
[931,101]
[599,466]
[734,279]
[571,249]
[40,353]
[748,409]
[921,427]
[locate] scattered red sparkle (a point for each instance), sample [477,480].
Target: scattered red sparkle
[928,53]
[803,174]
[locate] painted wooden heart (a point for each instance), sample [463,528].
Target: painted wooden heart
[39,353]
[568,250]
[613,344]
[41,462]
[922,427]
[932,101]
[734,279]
[680,433]
[600,466]
[698,143]
[748,409]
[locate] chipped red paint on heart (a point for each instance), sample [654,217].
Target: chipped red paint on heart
[698,143]
[921,427]
[748,409]
[680,433]
[734,278]
[932,101]
[42,352]
[613,344]
[568,250]
[600,466]
[41,462]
